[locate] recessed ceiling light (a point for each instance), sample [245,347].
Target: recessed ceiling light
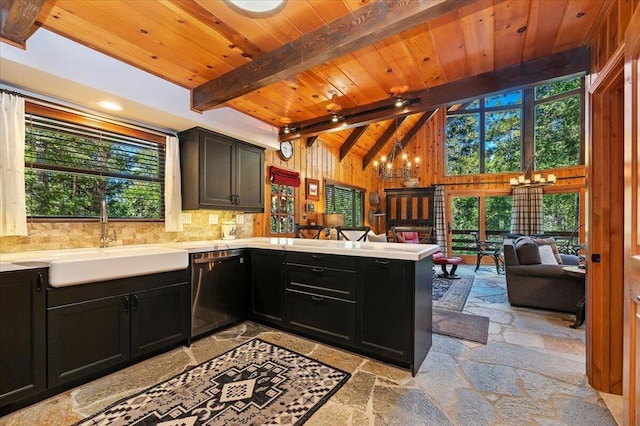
[258,6]
[111,106]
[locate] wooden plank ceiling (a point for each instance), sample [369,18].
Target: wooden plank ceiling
[194,43]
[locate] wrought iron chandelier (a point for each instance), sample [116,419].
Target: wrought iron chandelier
[536,179]
[386,170]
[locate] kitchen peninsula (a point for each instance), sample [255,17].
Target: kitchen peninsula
[369,298]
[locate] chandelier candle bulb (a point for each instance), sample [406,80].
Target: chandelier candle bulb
[552,178]
[537,177]
[513,181]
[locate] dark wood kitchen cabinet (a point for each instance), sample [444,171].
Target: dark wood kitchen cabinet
[394,309]
[219,172]
[321,296]
[93,328]
[267,286]
[22,334]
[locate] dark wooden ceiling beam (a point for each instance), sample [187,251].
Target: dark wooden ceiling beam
[311,140]
[351,141]
[382,141]
[17,18]
[412,132]
[365,26]
[526,74]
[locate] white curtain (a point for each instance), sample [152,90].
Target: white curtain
[172,191]
[526,211]
[440,218]
[13,208]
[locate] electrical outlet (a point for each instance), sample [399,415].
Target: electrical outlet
[240,219]
[186,218]
[213,219]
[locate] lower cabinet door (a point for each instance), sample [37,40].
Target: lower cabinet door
[322,316]
[385,300]
[87,337]
[159,317]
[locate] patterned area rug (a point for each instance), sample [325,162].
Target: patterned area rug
[451,294]
[255,383]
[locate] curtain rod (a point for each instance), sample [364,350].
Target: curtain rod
[46,101]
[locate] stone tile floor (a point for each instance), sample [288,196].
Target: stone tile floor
[530,372]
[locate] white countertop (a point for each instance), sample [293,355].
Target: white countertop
[413,252]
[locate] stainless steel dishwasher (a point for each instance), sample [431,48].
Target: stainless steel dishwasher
[218,290]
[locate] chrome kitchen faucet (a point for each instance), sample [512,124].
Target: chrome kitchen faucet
[104,226]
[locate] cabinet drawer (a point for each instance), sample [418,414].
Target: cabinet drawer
[322,316]
[325,260]
[322,281]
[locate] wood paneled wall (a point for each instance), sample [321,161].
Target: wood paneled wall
[319,161]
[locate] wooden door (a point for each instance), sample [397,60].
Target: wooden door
[631,358]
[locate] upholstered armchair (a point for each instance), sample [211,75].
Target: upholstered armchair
[534,284]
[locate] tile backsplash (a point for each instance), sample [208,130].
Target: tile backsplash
[62,235]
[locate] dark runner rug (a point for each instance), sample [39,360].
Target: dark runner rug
[255,383]
[451,294]
[461,326]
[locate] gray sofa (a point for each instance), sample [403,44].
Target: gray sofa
[532,284]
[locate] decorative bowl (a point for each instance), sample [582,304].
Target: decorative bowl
[410,183]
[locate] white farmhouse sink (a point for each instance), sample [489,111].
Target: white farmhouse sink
[92,265]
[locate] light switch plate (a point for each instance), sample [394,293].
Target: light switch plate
[186,218]
[213,219]
[240,219]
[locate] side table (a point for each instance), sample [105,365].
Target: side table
[576,271]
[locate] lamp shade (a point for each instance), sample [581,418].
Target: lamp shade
[333,219]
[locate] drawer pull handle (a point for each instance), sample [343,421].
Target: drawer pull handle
[317,256]
[39,282]
[317,298]
[126,304]
[317,270]
[383,262]
[135,302]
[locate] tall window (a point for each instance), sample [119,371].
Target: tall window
[465,218]
[346,200]
[558,126]
[484,136]
[70,167]
[561,212]
[282,218]
[497,212]
[488,134]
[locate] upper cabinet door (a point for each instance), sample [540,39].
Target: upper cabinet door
[217,164]
[219,172]
[250,177]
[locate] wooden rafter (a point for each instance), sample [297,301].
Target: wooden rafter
[351,141]
[373,22]
[382,141]
[575,61]
[17,18]
[311,140]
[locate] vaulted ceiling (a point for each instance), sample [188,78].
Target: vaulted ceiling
[311,58]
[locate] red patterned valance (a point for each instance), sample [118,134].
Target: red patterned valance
[284,177]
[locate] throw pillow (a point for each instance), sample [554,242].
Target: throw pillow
[382,238]
[546,255]
[528,252]
[550,242]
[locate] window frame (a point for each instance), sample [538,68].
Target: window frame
[329,183]
[34,107]
[528,121]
